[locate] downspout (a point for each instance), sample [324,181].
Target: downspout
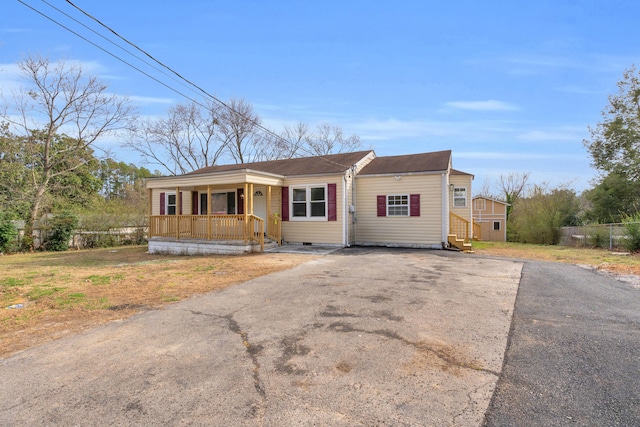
[445,210]
[354,219]
[345,213]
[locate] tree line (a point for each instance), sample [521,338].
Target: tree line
[537,212]
[50,129]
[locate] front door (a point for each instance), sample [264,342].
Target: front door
[260,202]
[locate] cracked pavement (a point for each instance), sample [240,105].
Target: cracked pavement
[362,336]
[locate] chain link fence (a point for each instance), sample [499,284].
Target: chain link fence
[607,236]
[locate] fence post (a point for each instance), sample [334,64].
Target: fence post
[610,237]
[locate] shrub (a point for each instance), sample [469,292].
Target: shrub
[60,232]
[598,237]
[8,234]
[632,227]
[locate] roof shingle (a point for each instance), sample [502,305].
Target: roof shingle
[333,163]
[423,162]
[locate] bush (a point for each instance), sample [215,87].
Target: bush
[632,226]
[598,237]
[60,231]
[8,234]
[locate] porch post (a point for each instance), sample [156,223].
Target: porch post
[251,199]
[268,202]
[178,210]
[151,231]
[209,211]
[245,215]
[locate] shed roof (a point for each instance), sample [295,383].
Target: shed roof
[491,199]
[423,162]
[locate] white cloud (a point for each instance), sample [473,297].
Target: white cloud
[580,90]
[567,133]
[486,155]
[489,105]
[148,100]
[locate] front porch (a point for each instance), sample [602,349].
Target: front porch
[209,234]
[187,220]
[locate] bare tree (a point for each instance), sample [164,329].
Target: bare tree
[239,128]
[330,140]
[512,187]
[484,190]
[60,115]
[288,144]
[186,139]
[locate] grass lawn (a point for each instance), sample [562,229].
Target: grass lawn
[64,292]
[601,259]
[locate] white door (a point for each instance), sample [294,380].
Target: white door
[260,202]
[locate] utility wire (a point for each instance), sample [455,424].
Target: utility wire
[207,94]
[109,53]
[115,44]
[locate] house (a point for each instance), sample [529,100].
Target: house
[343,199]
[490,219]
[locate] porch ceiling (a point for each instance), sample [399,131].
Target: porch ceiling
[220,178]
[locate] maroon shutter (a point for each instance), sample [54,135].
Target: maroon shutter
[382,205]
[332,214]
[180,213]
[194,203]
[162,203]
[285,203]
[240,201]
[414,205]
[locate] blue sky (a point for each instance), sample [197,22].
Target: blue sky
[509,86]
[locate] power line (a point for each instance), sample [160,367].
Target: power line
[113,43]
[225,105]
[107,52]
[190,83]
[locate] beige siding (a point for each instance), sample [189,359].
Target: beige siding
[462,181]
[155,200]
[318,232]
[423,230]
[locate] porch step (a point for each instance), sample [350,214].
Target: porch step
[459,243]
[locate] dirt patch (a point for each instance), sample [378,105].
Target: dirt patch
[55,294]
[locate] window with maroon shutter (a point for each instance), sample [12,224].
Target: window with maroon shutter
[414,205]
[285,203]
[311,202]
[240,194]
[194,203]
[382,205]
[162,203]
[332,214]
[169,203]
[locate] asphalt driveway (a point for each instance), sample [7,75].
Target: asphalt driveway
[573,356]
[357,337]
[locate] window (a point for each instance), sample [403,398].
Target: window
[398,205]
[496,225]
[309,202]
[480,204]
[171,204]
[221,203]
[459,197]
